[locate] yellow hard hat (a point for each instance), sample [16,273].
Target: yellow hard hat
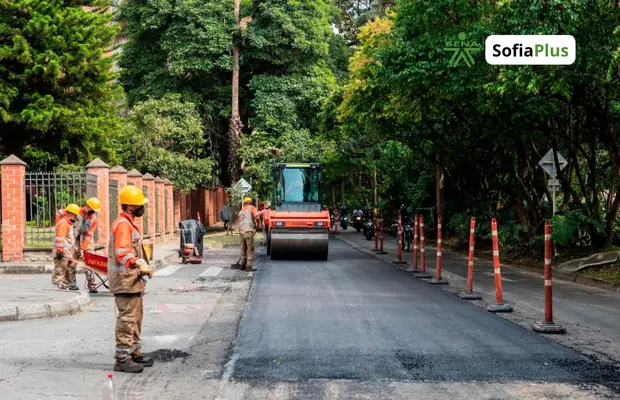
[73,209]
[94,203]
[132,196]
[247,200]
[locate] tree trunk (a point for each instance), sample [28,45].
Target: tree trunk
[439,185]
[235,127]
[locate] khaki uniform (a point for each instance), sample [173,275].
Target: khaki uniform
[247,230]
[64,264]
[126,285]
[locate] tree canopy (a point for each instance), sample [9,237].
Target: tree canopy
[57,96]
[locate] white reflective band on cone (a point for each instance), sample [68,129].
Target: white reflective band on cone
[547,282]
[547,236]
[497,271]
[496,253]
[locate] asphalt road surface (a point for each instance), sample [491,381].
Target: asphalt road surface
[354,317]
[364,328]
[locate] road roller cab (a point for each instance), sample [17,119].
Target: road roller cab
[298,225]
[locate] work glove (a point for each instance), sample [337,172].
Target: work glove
[145,269]
[59,255]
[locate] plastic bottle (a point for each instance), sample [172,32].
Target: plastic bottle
[108,389]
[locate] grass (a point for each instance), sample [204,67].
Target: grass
[230,239]
[609,273]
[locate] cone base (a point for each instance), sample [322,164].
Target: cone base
[552,328]
[382,252]
[497,308]
[414,271]
[436,281]
[400,262]
[335,233]
[423,275]
[469,296]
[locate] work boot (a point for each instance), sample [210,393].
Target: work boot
[128,365]
[143,360]
[93,291]
[250,269]
[73,288]
[60,287]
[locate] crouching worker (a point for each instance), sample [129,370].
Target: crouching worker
[63,276]
[126,268]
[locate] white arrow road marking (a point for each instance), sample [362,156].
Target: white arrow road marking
[168,270]
[503,279]
[211,271]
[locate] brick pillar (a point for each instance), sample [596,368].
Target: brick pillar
[13,208]
[102,170]
[134,177]
[169,196]
[119,174]
[178,200]
[161,212]
[207,201]
[148,181]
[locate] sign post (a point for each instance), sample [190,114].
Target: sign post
[244,185]
[548,164]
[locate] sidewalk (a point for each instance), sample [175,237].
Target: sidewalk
[590,315]
[20,299]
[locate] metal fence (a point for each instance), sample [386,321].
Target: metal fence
[46,193]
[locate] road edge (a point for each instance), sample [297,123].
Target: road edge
[46,310]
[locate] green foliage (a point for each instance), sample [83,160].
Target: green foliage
[165,137]
[575,228]
[56,86]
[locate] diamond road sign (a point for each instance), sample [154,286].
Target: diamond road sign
[548,164]
[245,186]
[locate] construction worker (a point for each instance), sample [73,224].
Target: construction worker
[64,246]
[126,268]
[85,235]
[247,221]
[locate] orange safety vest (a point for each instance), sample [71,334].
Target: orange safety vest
[123,274]
[65,240]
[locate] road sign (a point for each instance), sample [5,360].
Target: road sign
[244,186]
[548,164]
[553,182]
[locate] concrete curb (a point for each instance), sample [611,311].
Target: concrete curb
[45,310]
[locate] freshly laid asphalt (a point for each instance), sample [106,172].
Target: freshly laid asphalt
[354,317]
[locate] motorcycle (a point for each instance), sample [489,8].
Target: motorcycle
[344,222]
[369,229]
[358,222]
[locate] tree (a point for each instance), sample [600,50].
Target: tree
[57,91]
[165,137]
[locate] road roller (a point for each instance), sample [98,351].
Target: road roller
[297,224]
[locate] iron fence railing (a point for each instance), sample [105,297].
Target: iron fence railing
[47,192]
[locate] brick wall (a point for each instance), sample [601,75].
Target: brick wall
[101,169]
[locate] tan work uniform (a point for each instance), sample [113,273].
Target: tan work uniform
[63,248]
[247,229]
[126,285]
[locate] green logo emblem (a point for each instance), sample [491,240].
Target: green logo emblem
[462,49]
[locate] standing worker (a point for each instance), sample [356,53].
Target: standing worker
[64,249]
[248,218]
[225,216]
[85,236]
[126,267]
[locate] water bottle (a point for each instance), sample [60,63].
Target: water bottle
[108,389]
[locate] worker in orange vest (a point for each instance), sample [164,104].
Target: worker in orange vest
[63,275]
[85,234]
[127,265]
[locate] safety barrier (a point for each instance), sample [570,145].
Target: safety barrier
[381,251]
[400,260]
[469,294]
[548,326]
[422,274]
[499,305]
[415,246]
[374,226]
[437,280]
